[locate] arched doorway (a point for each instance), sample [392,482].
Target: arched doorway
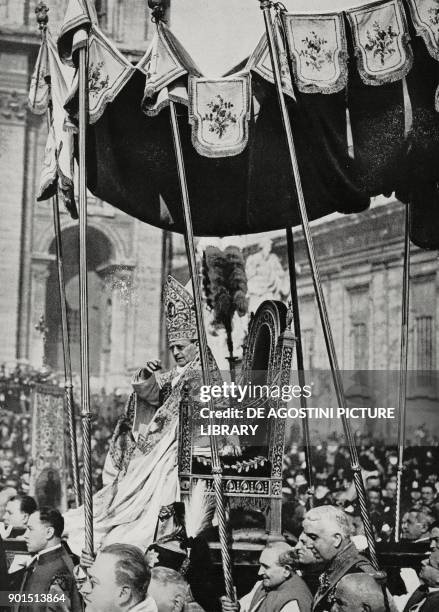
[99,256]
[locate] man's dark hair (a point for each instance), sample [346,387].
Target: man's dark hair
[27,503]
[429,485]
[131,568]
[52,517]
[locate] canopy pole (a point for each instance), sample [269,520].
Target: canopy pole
[266,6]
[190,250]
[83,299]
[402,399]
[68,380]
[299,356]
[41,11]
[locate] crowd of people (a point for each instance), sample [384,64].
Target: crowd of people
[320,542]
[333,482]
[323,572]
[331,535]
[16,452]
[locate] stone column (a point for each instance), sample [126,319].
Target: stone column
[31,179]
[12,155]
[40,272]
[118,327]
[146,306]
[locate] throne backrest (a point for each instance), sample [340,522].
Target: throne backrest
[267,361]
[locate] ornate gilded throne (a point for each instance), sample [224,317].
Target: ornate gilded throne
[254,480]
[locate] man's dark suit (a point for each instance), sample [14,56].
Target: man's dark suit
[51,572]
[429,601]
[3,570]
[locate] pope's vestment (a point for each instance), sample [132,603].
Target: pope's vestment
[141,469]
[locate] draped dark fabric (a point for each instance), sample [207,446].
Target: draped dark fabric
[419,175]
[131,159]
[131,164]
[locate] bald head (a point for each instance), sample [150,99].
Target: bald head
[359,593]
[168,588]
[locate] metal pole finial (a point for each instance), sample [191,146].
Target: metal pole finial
[157,9]
[41,11]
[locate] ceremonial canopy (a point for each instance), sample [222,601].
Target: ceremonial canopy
[363,103]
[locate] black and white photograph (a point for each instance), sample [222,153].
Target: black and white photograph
[219,306]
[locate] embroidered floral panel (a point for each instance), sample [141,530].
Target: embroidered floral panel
[425,17]
[219,110]
[317,47]
[108,71]
[381,41]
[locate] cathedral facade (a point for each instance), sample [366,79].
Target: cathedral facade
[125,256]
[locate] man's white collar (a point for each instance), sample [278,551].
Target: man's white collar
[43,552]
[146,605]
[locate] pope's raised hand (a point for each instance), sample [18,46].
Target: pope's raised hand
[151,366]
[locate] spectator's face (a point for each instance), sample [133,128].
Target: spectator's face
[412,528]
[183,351]
[6,468]
[415,495]
[429,573]
[320,538]
[391,490]
[373,483]
[434,538]
[427,495]
[272,574]
[358,524]
[305,554]
[13,516]
[167,599]
[37,534]
[100,591]
[374,498]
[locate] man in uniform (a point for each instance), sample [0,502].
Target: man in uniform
[326,535]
